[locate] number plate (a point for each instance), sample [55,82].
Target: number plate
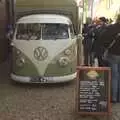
[38,79]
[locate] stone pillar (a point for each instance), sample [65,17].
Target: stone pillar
[3,26]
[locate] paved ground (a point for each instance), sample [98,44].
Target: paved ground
[39,102]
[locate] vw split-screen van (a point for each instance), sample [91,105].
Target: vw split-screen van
[44,43]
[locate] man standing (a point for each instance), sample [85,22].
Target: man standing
[111,34]
[96,50]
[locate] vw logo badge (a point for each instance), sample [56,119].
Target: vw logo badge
[40,53]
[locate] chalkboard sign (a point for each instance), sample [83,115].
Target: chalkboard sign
[93,90]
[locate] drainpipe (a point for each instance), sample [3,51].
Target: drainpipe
[10,13]
[92,8]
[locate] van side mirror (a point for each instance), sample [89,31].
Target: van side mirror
[9,35]
[79,37]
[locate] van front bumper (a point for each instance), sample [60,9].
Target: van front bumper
[57,79]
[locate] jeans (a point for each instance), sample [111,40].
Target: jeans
[114,63]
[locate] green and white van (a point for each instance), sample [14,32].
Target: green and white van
[44,49]
[45,42]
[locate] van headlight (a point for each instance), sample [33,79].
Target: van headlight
[64,61]
[20,62]
[68,52]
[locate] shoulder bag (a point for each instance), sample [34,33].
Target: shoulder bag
[105,54]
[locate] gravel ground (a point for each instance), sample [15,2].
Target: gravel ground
[38,102]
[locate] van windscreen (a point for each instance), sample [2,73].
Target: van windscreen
[46,31]
[54,31]
[31,31]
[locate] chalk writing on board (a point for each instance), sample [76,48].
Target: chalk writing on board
[92,91]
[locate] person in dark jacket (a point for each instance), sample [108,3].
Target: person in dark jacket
[86,41]
[106,38]
[100,28]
